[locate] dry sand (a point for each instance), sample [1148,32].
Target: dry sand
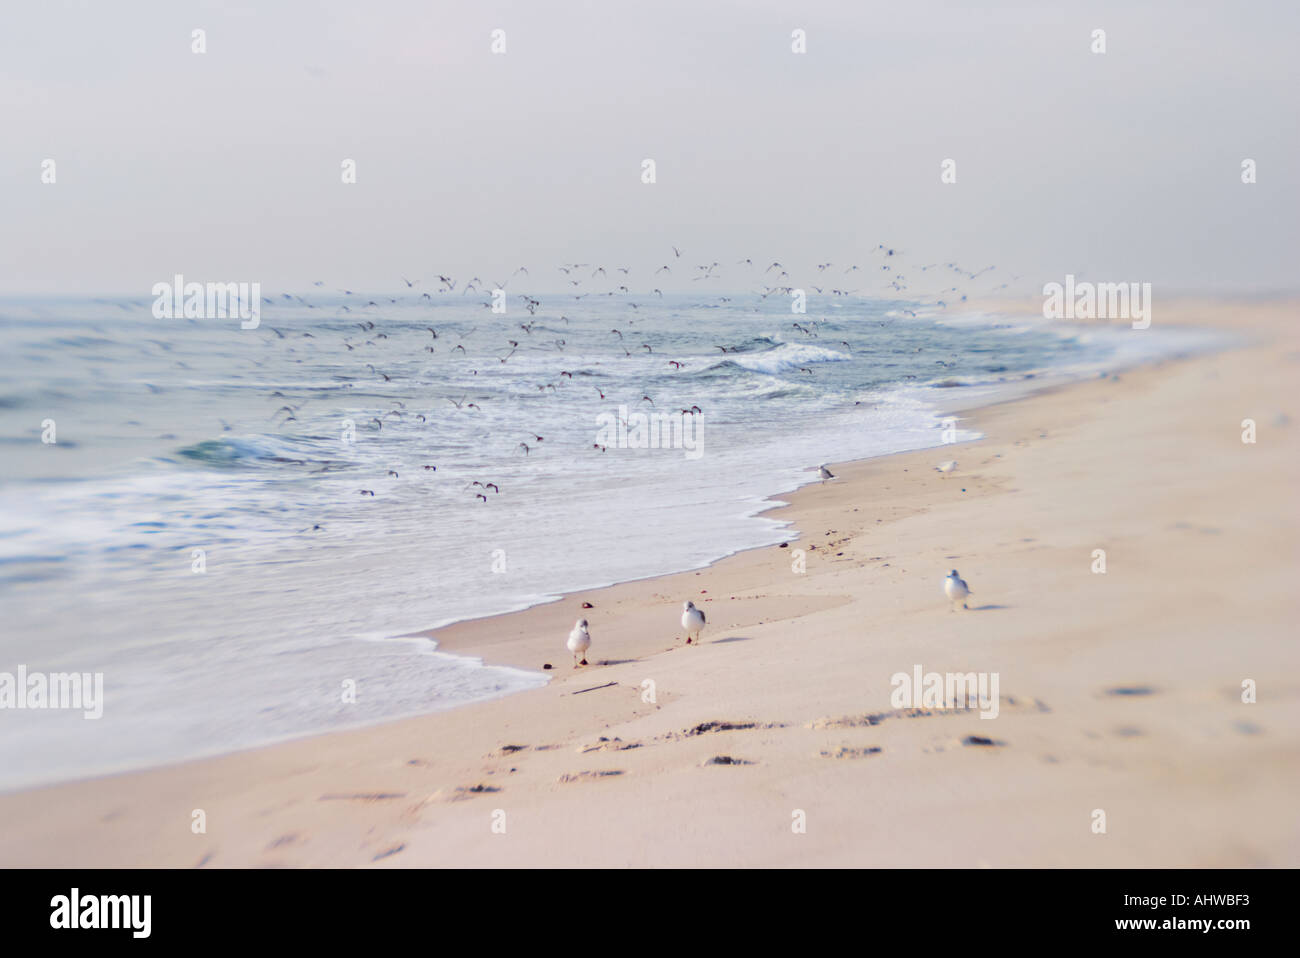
[1119,691]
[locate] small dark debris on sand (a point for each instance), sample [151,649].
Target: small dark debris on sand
[727,760]
[388,852]
[980,740]
[1131,690]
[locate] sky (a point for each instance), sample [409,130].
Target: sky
[226,165]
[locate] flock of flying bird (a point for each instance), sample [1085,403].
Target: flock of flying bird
[766,282]
[575,275]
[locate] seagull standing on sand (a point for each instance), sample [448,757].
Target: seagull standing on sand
[947,466]
[826,473]
[579,642]
[692,621]
[955,588]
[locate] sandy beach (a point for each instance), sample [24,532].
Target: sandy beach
[774,742]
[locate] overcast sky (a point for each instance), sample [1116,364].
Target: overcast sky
[225,166]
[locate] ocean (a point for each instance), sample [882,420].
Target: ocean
[233,525]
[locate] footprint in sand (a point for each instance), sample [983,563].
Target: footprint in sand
[727,760]
[705,727]
[389,852]
[875,718]
[586,776]
[460,793]
[362,797]
[847,752]
[506,750]
[1009,703]
[980,740]
[608,745]
[478,789]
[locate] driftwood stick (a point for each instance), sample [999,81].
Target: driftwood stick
[593,688]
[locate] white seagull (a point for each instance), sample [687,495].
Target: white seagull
[692,621]
[825,473]
[579,642]
[955,588]
[947,466]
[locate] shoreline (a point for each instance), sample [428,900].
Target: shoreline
[750,602]
[282,699]
[969,399]
[966,403]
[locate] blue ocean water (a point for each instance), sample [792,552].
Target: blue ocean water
[203,530]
